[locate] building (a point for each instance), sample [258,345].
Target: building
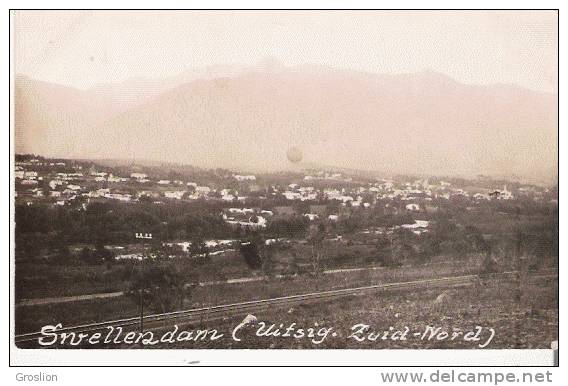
[413,207]
[176,194]
[242,178]
[138,176]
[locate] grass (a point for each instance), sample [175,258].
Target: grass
[32,318]
[523,313]
[40,279]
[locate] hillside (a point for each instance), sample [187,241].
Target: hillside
[413,123]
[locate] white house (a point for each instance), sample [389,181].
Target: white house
[177,194]
[417,224]
[118,196]
[139,176]
[241,178]
[112,178]
[228,197]
[413,207]
[202,190]
[292,195]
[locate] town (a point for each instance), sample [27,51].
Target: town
[279,204]
[93,230]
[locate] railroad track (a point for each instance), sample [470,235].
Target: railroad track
[198,315]
[237,280]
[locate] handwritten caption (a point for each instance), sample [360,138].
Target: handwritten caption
[55,335]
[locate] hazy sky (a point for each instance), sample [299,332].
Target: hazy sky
[87,47]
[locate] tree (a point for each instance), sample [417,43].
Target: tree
[401,249]
[29,245]
[384,251]
[290,227]
[250,250]
[63,254]
[268,264]
[160,287]
[351,224]
[145,199]
[59,250]
[87,256]
[316,238]
[101,254]
[199,250]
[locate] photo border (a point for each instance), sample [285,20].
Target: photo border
[11,155]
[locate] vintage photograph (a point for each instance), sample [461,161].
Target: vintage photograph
[270,179]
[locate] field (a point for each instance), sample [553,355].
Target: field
[41,280]
[513,312]
[523,313]
[82,261]
[32,318]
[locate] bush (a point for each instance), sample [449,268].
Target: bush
[162,287]
[250,251]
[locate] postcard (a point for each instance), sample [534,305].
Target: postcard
[378,181]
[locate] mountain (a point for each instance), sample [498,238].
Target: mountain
[51,119]
[422,123]
[134,91]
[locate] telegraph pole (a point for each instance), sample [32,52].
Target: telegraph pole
[143,237]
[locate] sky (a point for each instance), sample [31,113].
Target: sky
[83,48]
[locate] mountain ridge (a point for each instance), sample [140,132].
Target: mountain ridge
[356,119]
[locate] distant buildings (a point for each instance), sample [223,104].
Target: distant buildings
[242,178]
[138,176]
[176,194]
[501,194]
[413,207]
[252,222]
[418,227]
[320,196]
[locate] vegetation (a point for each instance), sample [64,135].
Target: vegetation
[160,288]
[89,247]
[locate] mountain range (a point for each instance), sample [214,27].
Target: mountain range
[241,117]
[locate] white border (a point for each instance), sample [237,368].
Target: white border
[261,357]
[324,357]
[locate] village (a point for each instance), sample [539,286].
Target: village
[89,230]
[39,182]
[267,203]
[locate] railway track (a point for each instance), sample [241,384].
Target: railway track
[199,315]
[237,280]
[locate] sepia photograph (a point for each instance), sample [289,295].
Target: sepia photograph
[371,180]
